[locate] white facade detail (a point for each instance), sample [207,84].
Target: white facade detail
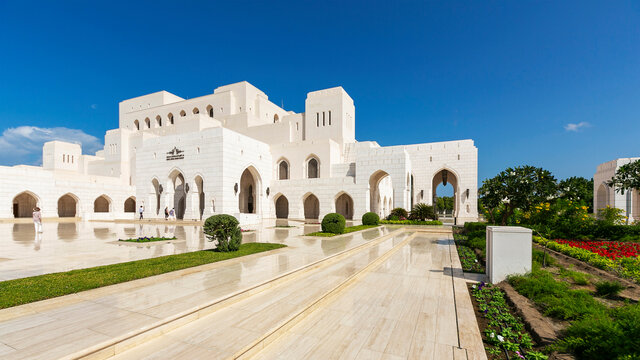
[604,196]
[235,152]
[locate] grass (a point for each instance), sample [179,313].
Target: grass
[609,289]
[36,288]
[347,230]
[145,239]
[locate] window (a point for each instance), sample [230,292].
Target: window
[196,111]
[170,117]
[158,121]
[210,111]
[317,119]
[323,119]
[275,118]
[312,168]
[283,170]
[136,124]
[148,123]
[329,118]
[183,113]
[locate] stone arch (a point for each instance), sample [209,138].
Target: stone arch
[136,124]
[635,205]
[344,205]
[183,113]
[312,167]
[311,206]
[157,191]
[378,197]
[195,110]
[130,204]
[445,176]
[249,192]
[158,121]
[68,205]
[102,204]
[602,197]
[283,169]
[276,118]
[199,181]
[180,189]
[23,204]
[147,122]
[282,206]
[210,110]
[170,118]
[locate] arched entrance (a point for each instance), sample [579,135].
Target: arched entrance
[180,190]
[344,206]
[67,205]
[282,207]
[444,177]
[130,205]
[311,207]
[157,191]
[249,191]
[102,204]
[200,187]
[380,192]
[602,197]
[23,204]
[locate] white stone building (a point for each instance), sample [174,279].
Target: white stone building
[604,195]
[236,152]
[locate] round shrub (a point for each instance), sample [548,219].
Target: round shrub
[224,229]
[398,214]
[333,223]
[370,218]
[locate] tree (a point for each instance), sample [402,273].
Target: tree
[521,188]
[444,203]
[627,177]
[577,189]
[491,197]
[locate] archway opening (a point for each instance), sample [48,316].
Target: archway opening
[249,190]
[157,191]
[445,186]
[158,121]
[312,168]
[602,198]
[101,204]
[180,190]
[210,111]
[282,207]
[170,117]
[23,204]
[147,122]
[380,193]
[136,124]
[130,205]
[200,187]
[67,205]
[283,170]
[635,205]
[311,207]
[344,206]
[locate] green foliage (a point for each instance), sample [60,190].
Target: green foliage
[469,261]
[608,289]
[473,226]
[444,203]
[578,190]
[145,239]
[627,177]
[539,256]
[578,278]
[224,229]
[370,218]
[516,188]
[611,216]
[423,212]
[398,214]
[347,230]
[333,223]
[36,288]
[410,222]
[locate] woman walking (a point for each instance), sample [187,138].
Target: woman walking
[166,213]
[37,219]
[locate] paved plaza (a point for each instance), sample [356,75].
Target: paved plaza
[390,293]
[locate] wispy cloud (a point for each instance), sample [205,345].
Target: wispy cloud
[23,144]
[576,127]
[94,106]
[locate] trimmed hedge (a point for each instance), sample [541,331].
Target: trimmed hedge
[223,228]
[333,223]
[410,222]
[475,226]
[370,218]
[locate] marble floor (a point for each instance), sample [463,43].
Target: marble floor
[74,245]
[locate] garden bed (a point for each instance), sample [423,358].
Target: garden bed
[410,222]
[347,230]
[145,239]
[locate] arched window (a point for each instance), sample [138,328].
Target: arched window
[158,121]
[183,113]
[170,117]
[275,118]
[210,110]
[283,170]
[312,168]
[147,123]
[136,124]
[196,111]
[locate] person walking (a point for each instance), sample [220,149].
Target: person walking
[166,213]
[172,214]
[141,211]
[37,219]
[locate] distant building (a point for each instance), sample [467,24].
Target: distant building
[604,195]
[236,152]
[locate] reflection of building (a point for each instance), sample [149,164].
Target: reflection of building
[236,152]
[604,195]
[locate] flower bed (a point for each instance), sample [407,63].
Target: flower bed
[610,249]
[504,333]
[469,260]
[145,239]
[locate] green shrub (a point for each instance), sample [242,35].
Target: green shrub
[539,256]
[370,218]
[608,288]
[398,214]
[474,226]
[224,229]
[422,211]
[333,223]
[410,222]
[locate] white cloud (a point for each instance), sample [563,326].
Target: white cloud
[576,127]
[94,106]
[23,144]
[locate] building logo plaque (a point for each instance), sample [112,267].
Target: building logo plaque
[175,154]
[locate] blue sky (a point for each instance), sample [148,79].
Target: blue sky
[551,84]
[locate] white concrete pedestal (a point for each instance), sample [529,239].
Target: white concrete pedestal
[508,252]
